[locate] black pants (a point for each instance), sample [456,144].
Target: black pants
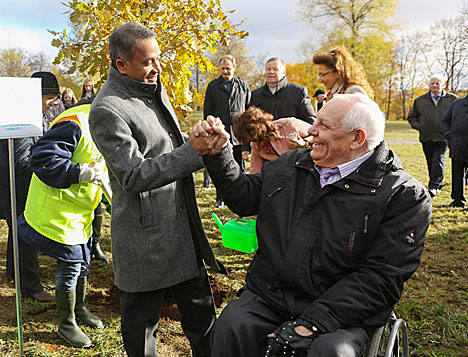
[459,180]
[435,151]
[244,324]
[140,315]
[237,153]
[30,277]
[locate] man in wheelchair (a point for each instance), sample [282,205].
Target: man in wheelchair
[341,227]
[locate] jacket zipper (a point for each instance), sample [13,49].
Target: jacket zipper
[275,191]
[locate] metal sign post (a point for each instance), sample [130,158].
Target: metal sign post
[14,228]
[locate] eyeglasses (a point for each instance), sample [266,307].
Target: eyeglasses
[320,76]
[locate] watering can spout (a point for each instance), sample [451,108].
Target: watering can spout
[218,222]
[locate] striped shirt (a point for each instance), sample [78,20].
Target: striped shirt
[344,169]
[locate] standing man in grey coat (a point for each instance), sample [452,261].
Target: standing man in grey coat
[426,117]
[158,241]
[225,96]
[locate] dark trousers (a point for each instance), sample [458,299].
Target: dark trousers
[435,151]
[30,277]
[244,324]
[237,153]
[459,180]
[140,315]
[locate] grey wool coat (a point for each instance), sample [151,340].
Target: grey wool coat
[156,230]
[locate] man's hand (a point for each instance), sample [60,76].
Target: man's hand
[290,339]
[209,136]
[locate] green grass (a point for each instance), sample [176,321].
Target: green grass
[434,304]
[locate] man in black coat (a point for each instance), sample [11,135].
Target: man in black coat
[225,96]
[455,124]
[340,228]
[281,98]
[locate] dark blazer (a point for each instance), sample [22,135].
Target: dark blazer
[455,124]
[220,103]
[289,100]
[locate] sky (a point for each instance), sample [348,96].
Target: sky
[274,28]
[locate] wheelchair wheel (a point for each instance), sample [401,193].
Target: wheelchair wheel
[390,340]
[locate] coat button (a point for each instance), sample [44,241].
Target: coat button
[170,134]
[181,208]
[373,190]
[346,185]
[268,287]
[149,100]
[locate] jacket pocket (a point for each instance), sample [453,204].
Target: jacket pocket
[146,209]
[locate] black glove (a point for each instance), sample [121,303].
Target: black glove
[288,343]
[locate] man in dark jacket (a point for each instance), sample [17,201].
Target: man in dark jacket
[340,229]
[225,96]
[455,124]
[281,98]
[426,117]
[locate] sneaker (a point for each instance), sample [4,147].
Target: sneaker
[219,204]
[206,187]
[434,191]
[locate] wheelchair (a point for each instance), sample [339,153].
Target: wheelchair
[390,340]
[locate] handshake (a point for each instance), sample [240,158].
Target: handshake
[208,137]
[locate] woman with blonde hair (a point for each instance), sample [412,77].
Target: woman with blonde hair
[340,73]
[87,92]
[68,98]
[268,138]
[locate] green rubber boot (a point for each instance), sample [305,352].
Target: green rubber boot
[68,329]
[81,312]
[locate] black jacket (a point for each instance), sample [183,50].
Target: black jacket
[336,256]
[289,100]
[426,117]
[220,103]
[22,155]
[455,124]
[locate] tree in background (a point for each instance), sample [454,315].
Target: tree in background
[14,63]
[185,29]
[365,28]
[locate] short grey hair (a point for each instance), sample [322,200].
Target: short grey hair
[122,40]
[366,115]
[275,59]
[438,77]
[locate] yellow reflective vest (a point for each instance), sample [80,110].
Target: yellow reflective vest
[65,215]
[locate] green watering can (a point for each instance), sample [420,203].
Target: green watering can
[238,234]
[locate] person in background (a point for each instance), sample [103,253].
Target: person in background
[319,96]
[158,241]
[226,95]
[52,106]
[267,137]
[87,91]
[340,229]
[281,98]
[68,98]
[340,73]
[455,127]
[59,209]
[30,279]
[426,117]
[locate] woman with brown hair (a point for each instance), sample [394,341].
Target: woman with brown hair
[268,139]
[340,73]
[87,92]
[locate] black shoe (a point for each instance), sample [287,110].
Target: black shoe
[454,204]
[219,204]
[434,191]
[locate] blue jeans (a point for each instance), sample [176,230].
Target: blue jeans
[67,275]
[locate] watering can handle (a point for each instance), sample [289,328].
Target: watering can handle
[218,221]
[241,219]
